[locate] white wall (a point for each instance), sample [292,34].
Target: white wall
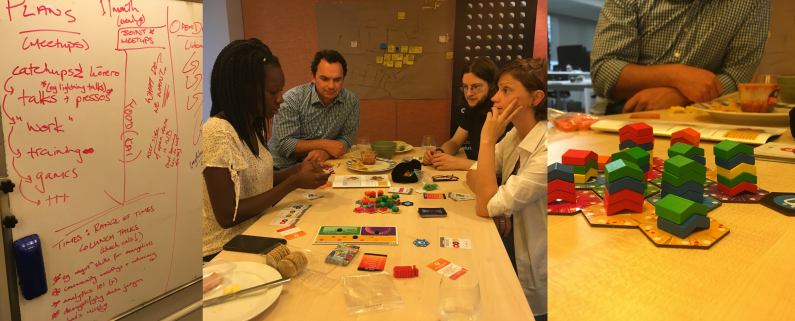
[570,31]
[223,23]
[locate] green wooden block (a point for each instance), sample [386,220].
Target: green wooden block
[685,150]
[635,154]
[679,165]
[743,177]
[582,170]
[677,209]
[620,168]
[677,181]
[728,149]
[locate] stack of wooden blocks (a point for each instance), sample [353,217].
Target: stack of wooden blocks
[560,183]
[625,187]
[680,216]
[584,164]
[684,177]
[736,168]
[637,135]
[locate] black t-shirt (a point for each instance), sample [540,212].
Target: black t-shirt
[472,122]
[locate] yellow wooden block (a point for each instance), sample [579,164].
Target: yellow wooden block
[583,178]
[737,170]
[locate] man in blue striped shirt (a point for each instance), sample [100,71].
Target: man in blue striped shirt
[318,120]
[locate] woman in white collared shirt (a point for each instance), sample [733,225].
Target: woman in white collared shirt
[521,156]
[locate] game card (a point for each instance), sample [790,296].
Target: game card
[460,196]
[283,221]
[447,269]
[291,232]
[455,243]
[290,213]
[298,206]
[372,262]
[311,196]
[400,190]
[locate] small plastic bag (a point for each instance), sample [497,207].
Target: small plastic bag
[370,292]
[569,122]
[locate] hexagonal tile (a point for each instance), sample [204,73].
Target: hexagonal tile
[585,198]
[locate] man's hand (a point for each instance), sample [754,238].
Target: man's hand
[317,155]
[444,162]
[696,84]
[334,148]
[655,98]
[427,158]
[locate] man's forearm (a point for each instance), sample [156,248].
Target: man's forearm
[305,146]
[634,78]
[450,147]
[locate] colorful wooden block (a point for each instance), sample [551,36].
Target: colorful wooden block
[681,140]
[680,165]
[645,168]
[578,157]
[695,196]
[592,164]
[630,144]
[684,150]
[687,177]
[560,171]
[603,160]
[688,134]
[640,140]
[612,208]
[677,209]
[582,179]
[560,185]
[635,155]
[699,159]
[736,160]
[737,170]
[737,189]
[742,177]
[562,196]
[626,194]
[686,228]
[625,183]
[728,149]
[637,129]
[620,168]
[681,189]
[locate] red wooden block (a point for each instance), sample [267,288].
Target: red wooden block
[578,157]
[560,185]
[689,134]
[626,194]
[637,129]
[683,141]
[612,208]
[561,195]
[640,140]
[602,161]
[744,186]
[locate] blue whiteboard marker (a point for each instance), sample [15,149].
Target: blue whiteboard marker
[30,266]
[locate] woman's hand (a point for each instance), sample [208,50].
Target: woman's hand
[503,225]
[310,178]
[497,121]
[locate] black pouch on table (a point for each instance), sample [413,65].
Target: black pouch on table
[404,172]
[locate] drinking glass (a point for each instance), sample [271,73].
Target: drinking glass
[428,142]
[364,144]
[459,299]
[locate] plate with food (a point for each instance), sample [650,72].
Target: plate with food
[730,112]
[381,164]
[244,276]
[402,147]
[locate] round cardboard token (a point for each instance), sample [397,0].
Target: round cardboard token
[407,203]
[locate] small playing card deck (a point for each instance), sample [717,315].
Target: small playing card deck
[460,196]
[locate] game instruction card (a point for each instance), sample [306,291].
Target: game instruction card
[450,270]
[291,232]
[455,243]
[377,235]
[361,181]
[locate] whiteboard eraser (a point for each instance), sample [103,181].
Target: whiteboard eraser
[30,266]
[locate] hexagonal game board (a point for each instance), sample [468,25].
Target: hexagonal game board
[585,198]
[699,239]
[596,216]
[743,197]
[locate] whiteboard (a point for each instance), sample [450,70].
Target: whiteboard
[101,111]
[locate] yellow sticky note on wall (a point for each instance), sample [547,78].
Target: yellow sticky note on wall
[404,48]
[419,50]
[389,63]
[412,49]
[398,64]
[410,57]
[401,15]
[410,63]
[387,57]
[390,48]
[449,55]
[398,56]
[379,59]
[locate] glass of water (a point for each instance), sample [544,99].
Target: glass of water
[364,144]
[459,299]
[428,142]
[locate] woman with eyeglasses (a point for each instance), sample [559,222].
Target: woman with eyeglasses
[478,77]
[518,206]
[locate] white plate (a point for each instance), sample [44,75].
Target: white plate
[408,148]
[779,117]
[246,275]
[381,164]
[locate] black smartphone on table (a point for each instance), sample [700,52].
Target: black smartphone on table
[253,244]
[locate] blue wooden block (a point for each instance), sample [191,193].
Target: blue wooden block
[644,167]
[629,144]
[626,183]
[694,196]
[686,228]
[736,160]
[560,171]
[700,159]
[678,191]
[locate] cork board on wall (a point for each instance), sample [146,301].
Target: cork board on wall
[365,32]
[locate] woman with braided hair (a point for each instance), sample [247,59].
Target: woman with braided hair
[240,183]
[518,207]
